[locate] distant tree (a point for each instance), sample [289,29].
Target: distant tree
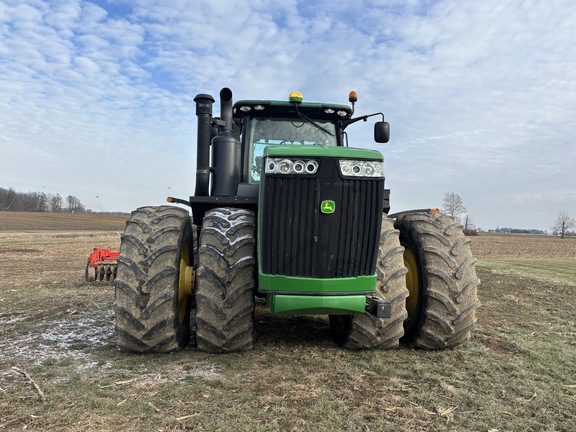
[8,199]
[42,202]
[469,227]
[453,205]
[56,203]
[564,223]
[33,202]
[74,205]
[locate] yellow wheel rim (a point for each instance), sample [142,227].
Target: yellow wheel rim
[412,281]
[185,281]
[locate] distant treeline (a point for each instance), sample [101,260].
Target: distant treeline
[519,231]
[10,200]
[527,231]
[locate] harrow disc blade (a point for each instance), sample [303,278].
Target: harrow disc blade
[90,273]
[108,272]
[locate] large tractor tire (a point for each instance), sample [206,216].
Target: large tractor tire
[441,280]
[365,330]
[225,281]
[152,303]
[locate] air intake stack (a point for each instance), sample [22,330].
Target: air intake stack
[226,151]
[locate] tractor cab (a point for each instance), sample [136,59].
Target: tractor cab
[293,122]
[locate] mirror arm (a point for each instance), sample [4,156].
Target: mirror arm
[345,123]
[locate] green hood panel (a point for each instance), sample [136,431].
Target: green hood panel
[321,151]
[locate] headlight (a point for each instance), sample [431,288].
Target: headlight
[290,166]
[361,168]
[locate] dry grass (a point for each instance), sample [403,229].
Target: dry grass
[544,258]
[60,369]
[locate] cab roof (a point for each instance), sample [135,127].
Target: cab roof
[271,108]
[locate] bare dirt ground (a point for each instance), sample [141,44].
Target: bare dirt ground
[522,247]
[23,221]
[61,370]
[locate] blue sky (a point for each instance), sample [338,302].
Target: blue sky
[96,97]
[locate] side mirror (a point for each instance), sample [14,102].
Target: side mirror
[382,132]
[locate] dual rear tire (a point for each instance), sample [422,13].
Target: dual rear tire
[225,282]
[156,311]
[426,270]
[152,312]
[441,280]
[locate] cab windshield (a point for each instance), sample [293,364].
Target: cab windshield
[265,131]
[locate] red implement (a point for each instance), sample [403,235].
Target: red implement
[101,265]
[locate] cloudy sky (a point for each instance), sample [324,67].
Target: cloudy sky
[96,97]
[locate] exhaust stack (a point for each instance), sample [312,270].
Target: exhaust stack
[226,107]
[204,113]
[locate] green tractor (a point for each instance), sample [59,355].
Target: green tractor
[284,210]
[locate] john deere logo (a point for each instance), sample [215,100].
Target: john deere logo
[328,207]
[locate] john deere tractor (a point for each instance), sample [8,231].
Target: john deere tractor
[284,210]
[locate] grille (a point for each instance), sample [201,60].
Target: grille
[297,239]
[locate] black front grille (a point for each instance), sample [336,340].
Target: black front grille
[297,239]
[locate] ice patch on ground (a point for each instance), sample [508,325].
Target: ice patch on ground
[82,339]
[12,319]
[61,339]
[65,333]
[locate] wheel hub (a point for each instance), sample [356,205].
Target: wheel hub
[185,282]
[412,282]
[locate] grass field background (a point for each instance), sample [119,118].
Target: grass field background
[61,370]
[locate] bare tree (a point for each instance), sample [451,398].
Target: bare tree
[8,199]
[56,203]
[469,227]
[453,205]
[42,203]
[74,205]
[564,223]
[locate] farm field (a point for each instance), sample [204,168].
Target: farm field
[60,369]
[23,221]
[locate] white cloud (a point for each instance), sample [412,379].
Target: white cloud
[480,94]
